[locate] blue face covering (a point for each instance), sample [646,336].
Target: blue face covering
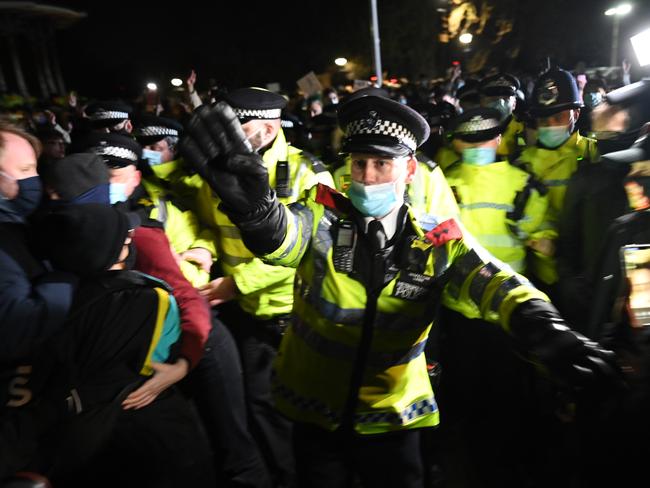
[479,156]
[373,200]
[554,136]
[153,157]
[117,193]
[30,191]
[593,99]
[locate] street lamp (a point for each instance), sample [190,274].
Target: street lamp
[176,82]
[616,12]
[152,86]
[465,38]
[340,62]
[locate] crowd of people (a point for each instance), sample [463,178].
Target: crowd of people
[416,286]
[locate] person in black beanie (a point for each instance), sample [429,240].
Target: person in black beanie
[120,322]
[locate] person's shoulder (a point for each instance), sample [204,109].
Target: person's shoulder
[314,163]
[330,199]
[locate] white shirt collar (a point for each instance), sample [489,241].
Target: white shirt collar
[389,222]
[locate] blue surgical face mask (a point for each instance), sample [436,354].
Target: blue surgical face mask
[373,200]
[30,191]
[593,99]
[479,156]
[153,157]
[117,193]
[553,136]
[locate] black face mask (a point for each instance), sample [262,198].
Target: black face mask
[608,142]
[30,191]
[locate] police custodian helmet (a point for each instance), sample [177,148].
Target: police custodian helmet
[555,91]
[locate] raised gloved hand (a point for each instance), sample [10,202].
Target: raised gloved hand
[216,146]
[568,356]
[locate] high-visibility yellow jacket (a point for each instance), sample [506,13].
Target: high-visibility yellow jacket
[264,291]
[427,193]
[354,349]
[180,224]
[446,156]
[512,140]
[501,206]
[554,168]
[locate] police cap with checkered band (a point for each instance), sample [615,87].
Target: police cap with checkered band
[378,125]
[116,150]
[499,85]
[255,104]
[151,128]
[108,113]
[477,125]
[554,91]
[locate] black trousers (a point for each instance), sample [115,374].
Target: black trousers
[217,387]
[258,343]
[340,459]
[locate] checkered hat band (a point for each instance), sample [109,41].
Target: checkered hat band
[500,83]
[383,128]
[156,130]
[116,152]
[476,125]
[107,115]
[246,113]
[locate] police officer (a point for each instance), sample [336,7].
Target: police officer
[500,204]
[428,192]
[110,116]
[259,295]
[350,370]
[560,150]
[500,92]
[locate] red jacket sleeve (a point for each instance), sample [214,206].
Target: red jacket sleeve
[154,257]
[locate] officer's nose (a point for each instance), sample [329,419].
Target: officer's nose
[369,174]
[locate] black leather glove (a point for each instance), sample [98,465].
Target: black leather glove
[214,143]
[569,357]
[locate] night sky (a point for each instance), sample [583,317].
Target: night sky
[121,45]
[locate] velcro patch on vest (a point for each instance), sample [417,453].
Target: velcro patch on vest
[413,286]
[332,199]
[444,232]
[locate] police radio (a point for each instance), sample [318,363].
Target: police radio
[343,253]
[282,179]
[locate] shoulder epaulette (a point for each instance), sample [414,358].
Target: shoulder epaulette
[430,163]
[332,199]
[316,164]
[444,232]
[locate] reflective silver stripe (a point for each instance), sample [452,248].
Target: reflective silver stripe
[480,281]
[333,349]
[331,311]
[305,404]
[505,288]
[295,190]
[416,410]
[558,182]
[108,115]
[321,245]
[229,231]
[481,205]
[496,240]
[234,260]
[302,218]
[462,267]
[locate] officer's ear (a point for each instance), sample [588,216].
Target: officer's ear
[270,131]
[411,168]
